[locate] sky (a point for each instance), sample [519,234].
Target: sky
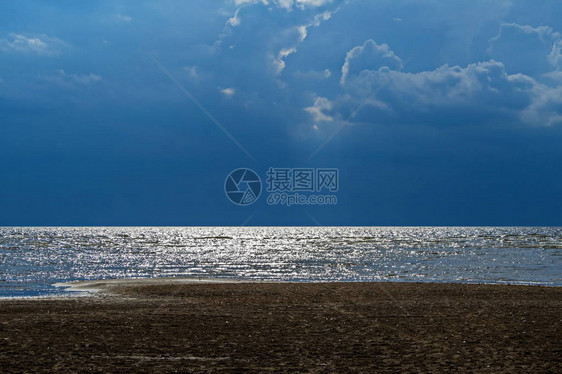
[135,112]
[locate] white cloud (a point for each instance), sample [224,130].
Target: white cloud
[316,21]
[483,90]
[462,22]
[279,60]
[41,44]
[228,92]
[287,4]
[555,56]
[525,49]
[302,30]
[555,76]
[235,20]
[192,71]
[123,18]
[278,40]
[313,3]
[369,56]
[244,2]
[485,82]
[302,4]
[60,77]
[372,84]
[319,109]
[546,107]
[314,74]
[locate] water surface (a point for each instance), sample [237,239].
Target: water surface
[32,259]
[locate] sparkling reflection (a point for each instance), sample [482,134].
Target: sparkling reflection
[33,258]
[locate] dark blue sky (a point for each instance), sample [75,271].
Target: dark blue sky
[434,112]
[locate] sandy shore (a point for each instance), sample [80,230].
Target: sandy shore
[196,326]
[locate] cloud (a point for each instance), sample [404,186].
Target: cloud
[369,56]
[319,109]
[287,4]
[484,83]
[313,74]
[554,76]
[123,18]
[192,71]
[374,89]
[546,107]
[302,31]
[228,92]
[527,50]
[279,61]
[461,24]
[235,20]
[294,33]
[261,37]
[316,21]
[312,3]
[41,44]
[244,2]
[61,78]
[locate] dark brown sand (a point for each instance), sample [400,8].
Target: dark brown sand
[273,327]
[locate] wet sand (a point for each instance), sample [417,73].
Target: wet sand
[179,326]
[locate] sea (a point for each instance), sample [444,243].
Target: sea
[32,259]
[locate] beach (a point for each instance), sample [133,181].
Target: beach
[213,326]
